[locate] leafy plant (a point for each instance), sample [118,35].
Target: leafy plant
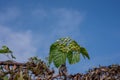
[6,51]
[66,48]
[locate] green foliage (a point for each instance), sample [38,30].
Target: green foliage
[84,51]
[66,48]
[5,50]
[5,78]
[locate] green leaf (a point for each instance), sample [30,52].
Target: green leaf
[5,49]
[84,52]
[69,57]
[66,48]
[76,58]
[52,51]
[57,57]
[1,51]
[73,58]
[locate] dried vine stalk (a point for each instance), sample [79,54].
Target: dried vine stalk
[39,71]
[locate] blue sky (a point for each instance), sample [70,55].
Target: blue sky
[29,27]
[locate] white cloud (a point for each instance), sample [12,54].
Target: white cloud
[68,21]
[61,21]
[21,43]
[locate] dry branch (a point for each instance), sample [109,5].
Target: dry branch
[12,63]
[42,72]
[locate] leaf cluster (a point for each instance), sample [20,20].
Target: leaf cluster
[6,51]
[66,49]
